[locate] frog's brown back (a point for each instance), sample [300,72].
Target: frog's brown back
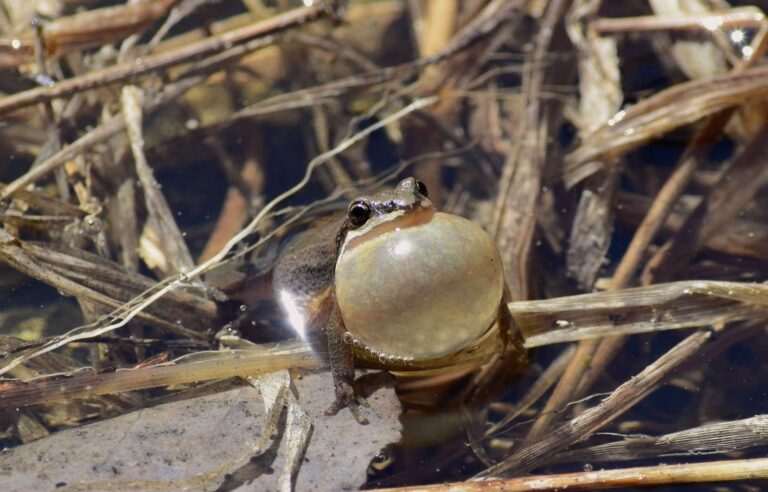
[306,268]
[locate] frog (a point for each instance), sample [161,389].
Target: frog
[395,284]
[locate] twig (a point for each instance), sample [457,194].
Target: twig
[712,471]
[149,64]
[736,187]
[585,424]
[741,237]
[490,18]
[189,78]
[542,384]
[517,199]
[177,257]
[671,108]
[93,137]
[653,308]
[720,437]
[203,366]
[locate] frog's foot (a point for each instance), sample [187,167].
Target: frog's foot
[347,396]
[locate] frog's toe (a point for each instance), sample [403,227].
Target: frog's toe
[357,413]
[346,396]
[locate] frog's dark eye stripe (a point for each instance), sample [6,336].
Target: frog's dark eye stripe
[422,188]
[359,213]
[389,206]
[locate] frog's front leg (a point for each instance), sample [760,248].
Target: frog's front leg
[343,368]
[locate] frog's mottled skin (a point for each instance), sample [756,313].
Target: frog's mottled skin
[399,286]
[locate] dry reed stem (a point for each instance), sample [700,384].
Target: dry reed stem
[200,366]
[720,437]
[661,113]
[98,135]
[189,78]
[585,424]
[150,64]
[737,186]
[741,237]
[647,476]
[517,201]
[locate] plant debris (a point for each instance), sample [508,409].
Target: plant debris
[160,154]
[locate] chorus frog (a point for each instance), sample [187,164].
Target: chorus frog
[397,285]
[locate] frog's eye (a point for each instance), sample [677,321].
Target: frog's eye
[358,214]
[422,188]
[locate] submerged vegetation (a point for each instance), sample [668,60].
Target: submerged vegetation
[158,152]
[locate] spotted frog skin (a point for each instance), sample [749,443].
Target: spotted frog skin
[395,284]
